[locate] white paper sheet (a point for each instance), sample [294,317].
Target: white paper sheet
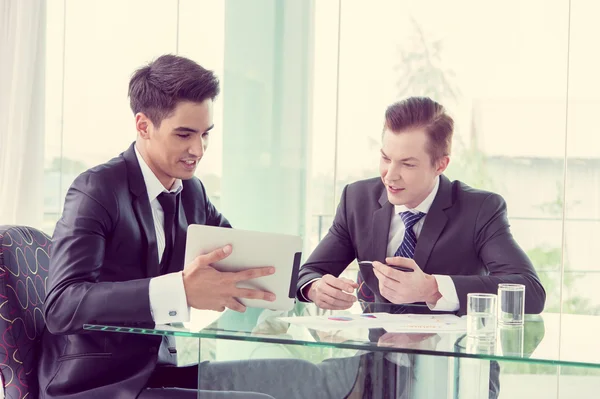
[390,322]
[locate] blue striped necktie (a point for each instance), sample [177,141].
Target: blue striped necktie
[407,247]
[406,250]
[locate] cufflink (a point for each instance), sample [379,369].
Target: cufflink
[173,313]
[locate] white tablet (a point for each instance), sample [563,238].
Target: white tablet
[252,249]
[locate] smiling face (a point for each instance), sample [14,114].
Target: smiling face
[173,149]
[406,168]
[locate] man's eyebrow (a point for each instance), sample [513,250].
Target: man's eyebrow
[185,129]
[190,130]
[413,159]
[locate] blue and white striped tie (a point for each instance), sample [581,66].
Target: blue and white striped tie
[407,247]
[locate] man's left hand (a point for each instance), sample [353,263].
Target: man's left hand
[405,287]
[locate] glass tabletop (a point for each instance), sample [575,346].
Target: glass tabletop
[548,338]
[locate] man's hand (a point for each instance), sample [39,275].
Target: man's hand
[208,288]
[405,287]
[332,292]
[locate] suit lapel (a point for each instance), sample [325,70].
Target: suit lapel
[435,221]
[143,212]
[380,229]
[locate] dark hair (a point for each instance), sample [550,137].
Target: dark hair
[423,113]
[158,87]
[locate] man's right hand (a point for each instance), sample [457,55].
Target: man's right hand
[207,288]
[331,292]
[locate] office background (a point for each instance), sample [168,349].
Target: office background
[304,89]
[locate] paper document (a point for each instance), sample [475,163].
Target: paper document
[428,323]
[390,322]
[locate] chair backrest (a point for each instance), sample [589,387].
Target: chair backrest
[24,258]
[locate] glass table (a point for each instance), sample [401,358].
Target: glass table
[372,362]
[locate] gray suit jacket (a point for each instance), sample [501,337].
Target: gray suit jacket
[104,254]
[465,235]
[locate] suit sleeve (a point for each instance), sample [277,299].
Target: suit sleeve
[75,294]
[333,254]
[504,259]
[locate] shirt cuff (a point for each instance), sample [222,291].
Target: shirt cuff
[449,300]
[168,302]
[304,286]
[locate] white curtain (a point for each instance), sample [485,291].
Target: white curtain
[22,60]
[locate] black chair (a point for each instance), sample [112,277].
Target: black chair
[24,258]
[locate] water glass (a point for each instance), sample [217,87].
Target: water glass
[481,316]
[511,339]
[511,304]
[478,346]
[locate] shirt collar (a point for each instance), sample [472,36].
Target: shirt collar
[423,206]
[153,186]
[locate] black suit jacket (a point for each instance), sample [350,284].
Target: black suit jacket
[465,235]
[104,255]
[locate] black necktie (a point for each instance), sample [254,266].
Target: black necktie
[168,201]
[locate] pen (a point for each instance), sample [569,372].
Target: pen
[368,263]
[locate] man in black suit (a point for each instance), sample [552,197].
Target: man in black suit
[453,238]
[117,253]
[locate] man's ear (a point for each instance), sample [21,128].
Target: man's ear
[442,164]
[143,125]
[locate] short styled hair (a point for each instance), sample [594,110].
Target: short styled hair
[423,113]
[158,87]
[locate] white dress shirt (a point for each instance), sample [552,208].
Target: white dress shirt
[449,300]
[168,302]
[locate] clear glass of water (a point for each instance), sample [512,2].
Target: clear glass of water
[512,339]
[481,316]
[480,347]
[511,304]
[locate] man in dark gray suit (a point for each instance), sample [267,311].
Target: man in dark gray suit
[117,257]
[449,238]
[454,239]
